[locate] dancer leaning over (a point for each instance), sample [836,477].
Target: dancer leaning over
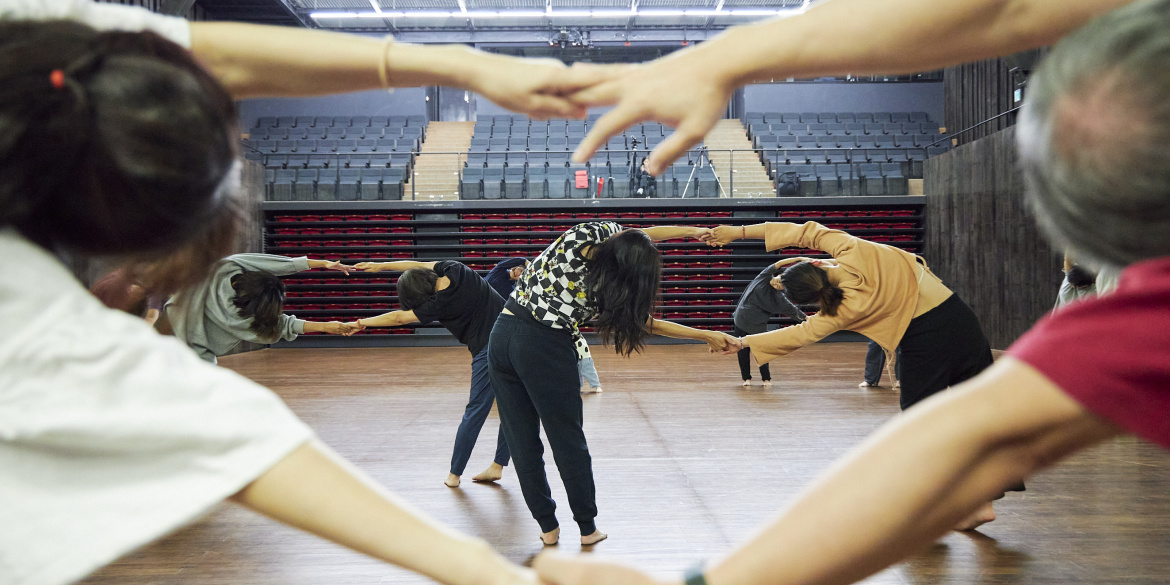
[457,297]
[593,271]
[883,293]
[243,300]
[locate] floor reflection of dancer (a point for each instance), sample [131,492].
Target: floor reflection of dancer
[457,297]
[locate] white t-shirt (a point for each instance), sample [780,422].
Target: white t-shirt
[110,434]
[101,16]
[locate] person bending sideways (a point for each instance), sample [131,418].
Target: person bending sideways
[760,300]
[1078,283]
[1059,389]
[119,145]
[593,271]
[243,300]
[881,292]
[457,297]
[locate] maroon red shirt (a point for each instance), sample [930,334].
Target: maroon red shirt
[1112,353]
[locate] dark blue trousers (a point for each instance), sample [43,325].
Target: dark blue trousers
[474,415]
[534,373]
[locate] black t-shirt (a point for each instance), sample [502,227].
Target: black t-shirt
[467,308]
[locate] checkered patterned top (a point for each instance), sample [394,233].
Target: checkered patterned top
[553,285]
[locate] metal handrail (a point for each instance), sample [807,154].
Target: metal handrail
[703,156]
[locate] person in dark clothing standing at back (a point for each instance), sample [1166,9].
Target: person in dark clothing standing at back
[502,277]
[457,297]
[760,300]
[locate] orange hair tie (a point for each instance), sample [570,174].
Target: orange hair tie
[57,78]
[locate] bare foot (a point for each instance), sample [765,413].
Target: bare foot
[591,389]
[897,384]
[494,472]
[551,537]
[452,480]
[747,383]
[594,538]
[767,383]
[864,384]
[985,514]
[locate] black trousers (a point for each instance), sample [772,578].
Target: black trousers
[745,359]
[534,373]
[942,347]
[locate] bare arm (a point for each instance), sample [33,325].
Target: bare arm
[391,319]
[331,327]
[256,60]
[397,265]
[662,233]
[689,89]
[716,341]
[315,490]
[902,488]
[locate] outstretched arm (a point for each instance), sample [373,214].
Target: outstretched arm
[331,327]
[315,490]
[902,488]
[689,89]
[256,60]
[391,319]
[397,265]
[716,341]
[662,233]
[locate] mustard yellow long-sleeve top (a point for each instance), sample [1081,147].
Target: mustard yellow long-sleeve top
[885,287]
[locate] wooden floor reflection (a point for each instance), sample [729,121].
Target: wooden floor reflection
[686,461]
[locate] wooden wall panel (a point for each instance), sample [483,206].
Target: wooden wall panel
[982,241]
[974,92]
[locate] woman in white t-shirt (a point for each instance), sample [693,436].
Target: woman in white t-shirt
[119,144]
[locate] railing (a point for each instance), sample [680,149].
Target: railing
[947,139]
[700,158]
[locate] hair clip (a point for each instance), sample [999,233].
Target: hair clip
[57,78]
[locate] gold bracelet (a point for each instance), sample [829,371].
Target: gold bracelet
[384,62]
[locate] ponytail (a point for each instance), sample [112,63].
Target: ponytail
[807,284]
[113,143]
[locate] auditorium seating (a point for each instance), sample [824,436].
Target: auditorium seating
[847,140]
[533,157]
[700,285]
[335,158]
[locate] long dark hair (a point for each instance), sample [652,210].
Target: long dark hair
[621,283]
[807,284]
[259,297]
[416,286]
[116,144]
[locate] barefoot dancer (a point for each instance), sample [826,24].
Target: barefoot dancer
[593,270]
[457,297]
[882,292]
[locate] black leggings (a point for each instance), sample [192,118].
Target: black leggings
[534,373]
[942,347]
[745,359]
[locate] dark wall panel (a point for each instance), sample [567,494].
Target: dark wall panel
[982,240]
[846,97]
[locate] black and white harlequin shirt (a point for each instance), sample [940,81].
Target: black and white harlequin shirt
[553,285]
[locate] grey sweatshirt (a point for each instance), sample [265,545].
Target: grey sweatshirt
[206,319]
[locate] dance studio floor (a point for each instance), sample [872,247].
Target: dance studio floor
[686,461]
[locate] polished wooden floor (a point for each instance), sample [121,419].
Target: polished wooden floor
[686,461]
